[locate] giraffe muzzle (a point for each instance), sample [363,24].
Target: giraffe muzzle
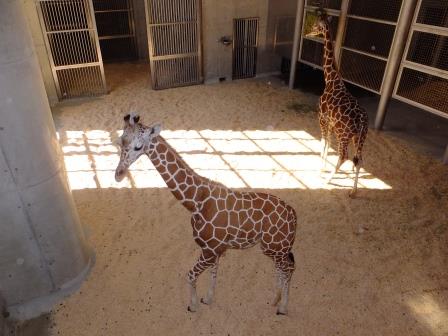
[119,174]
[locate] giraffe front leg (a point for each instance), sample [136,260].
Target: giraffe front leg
[205,260]
[278,292]
[211,290]
[342,151]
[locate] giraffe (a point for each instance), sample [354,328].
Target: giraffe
[222,218]
[339,112]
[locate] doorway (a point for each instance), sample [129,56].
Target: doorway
[116,30]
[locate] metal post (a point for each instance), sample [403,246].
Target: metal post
[396,54]
[445,157]
[342,24]
[296,43]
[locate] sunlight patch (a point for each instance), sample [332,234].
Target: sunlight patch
[238,159]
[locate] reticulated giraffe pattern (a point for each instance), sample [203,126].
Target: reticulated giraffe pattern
[339,112]
[222,218]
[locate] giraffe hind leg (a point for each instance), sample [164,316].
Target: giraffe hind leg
[284,267]
[211,290]
[357,162]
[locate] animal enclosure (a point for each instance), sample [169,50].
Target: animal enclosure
[363,50]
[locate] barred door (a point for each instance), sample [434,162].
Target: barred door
[174,33]
[245,43]
[72,44]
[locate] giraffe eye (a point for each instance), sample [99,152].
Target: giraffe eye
[137,148]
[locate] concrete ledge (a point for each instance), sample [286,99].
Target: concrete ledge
[44,304]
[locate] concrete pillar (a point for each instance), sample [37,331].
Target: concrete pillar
[396,54]
[43,250]
[296,42]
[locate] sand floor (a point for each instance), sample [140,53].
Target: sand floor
[375,265]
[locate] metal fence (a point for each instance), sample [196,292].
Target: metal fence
[175,42]
[116,29]
[245,45]
[72,44]
[423,75]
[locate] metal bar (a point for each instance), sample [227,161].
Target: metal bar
[395,56]
[113,37]
[436,30]
[42,20]
[366,53]
[422,106]
[97,43]
[112,11]
[329,11]
[445,156]
[297,37]
[340,35]
[426,69]
[390,23]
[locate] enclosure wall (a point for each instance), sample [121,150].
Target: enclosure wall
[43,250]
[41,51]
[217,21]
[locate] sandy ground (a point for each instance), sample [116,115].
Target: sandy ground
[390,279]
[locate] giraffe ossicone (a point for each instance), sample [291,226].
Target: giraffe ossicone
[339,112]
[221,218]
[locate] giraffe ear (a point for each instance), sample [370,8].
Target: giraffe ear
[156,129]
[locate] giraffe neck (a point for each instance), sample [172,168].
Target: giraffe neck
[183,182]
[331,73]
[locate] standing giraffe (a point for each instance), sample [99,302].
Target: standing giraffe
[339,111]
[221,218]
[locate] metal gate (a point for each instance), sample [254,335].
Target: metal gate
[175,44]
[245,43]
[116,29]
[423,76]
[72,44]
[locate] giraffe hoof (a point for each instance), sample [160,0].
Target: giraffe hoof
[191,310]
[279,312]
[352,194]
[204,301]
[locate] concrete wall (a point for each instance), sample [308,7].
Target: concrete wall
[41,51]
[278,8]
[217,21]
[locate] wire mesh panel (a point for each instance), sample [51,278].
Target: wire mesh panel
[72,44]
[363,70]
[423,76]
[369,33]
[312,49]
[174,42]
[116,31]
[245,43]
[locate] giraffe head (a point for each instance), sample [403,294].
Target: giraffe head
[136,140]
[320,26]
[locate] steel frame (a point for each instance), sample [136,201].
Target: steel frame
[250,44]
[151,46]
[419,27]
[91,29]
